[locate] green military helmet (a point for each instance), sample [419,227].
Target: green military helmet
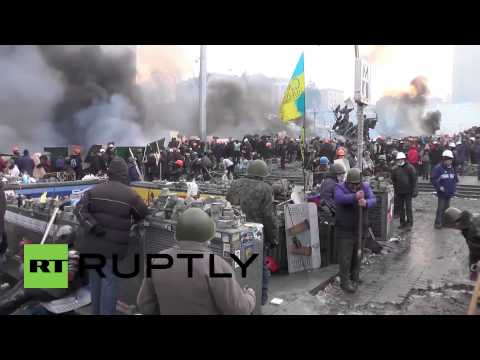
[354,176]
[337,169]
[257,168]
[195,225]
[452,215]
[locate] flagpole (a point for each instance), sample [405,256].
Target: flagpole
[304,131]
[304,141]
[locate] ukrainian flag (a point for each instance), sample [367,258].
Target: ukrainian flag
[293,104]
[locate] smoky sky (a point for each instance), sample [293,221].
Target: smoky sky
[404,114]
[99,85]
[56,95]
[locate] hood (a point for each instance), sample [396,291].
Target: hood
[118,170]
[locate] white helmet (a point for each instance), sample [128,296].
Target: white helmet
[447,154]
[452,145]
[459,143]
[401,156]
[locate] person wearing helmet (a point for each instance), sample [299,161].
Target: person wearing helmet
[426,164]
[191,290]
[405,184]
[368,165]
[133,174]
[469,225]
[175,170]
[255,197]
[110,153]
[436,151]
[340,158]
[382,169]
[349,197]
[335,176]
[236,151]
[282,152]
[247,149]
[76,163]
[461,156]
[444,179]
[320,170]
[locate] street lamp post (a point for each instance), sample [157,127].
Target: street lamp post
[203,93]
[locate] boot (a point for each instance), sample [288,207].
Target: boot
[356,279]
[348,287]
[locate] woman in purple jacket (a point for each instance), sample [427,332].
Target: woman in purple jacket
[350,196]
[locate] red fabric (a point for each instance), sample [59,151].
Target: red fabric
[272,264]
[413,157]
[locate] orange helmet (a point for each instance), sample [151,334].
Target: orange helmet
[340,151]
[179,163]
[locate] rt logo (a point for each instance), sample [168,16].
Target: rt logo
[45,266]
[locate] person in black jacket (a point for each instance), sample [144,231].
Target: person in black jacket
[76,164]
[106,213]
[26,164]
[404,179]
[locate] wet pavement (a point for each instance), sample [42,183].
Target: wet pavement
[424,271]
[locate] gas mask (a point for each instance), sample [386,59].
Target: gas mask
[401,162]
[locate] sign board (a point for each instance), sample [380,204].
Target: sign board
[302,237]
[362,81]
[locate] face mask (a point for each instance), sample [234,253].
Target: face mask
[448,163]
[401,162]
[340,177]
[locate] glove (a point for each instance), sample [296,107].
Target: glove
[98,230]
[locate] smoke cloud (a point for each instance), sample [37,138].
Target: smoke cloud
[29,90]
[101,101]
[403,114]
[59,95]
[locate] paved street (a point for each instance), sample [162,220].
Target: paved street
[422,272]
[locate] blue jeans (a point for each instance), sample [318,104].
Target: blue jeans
[104,290]
[443,204]
[32,309]
[265,277]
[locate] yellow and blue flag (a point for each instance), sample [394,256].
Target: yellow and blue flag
[293,104]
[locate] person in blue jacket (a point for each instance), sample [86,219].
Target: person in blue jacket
[350,196]
[444,179]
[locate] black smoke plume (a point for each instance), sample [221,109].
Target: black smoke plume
[101,101]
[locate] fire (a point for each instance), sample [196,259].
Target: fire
[417,87]
[166,62]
